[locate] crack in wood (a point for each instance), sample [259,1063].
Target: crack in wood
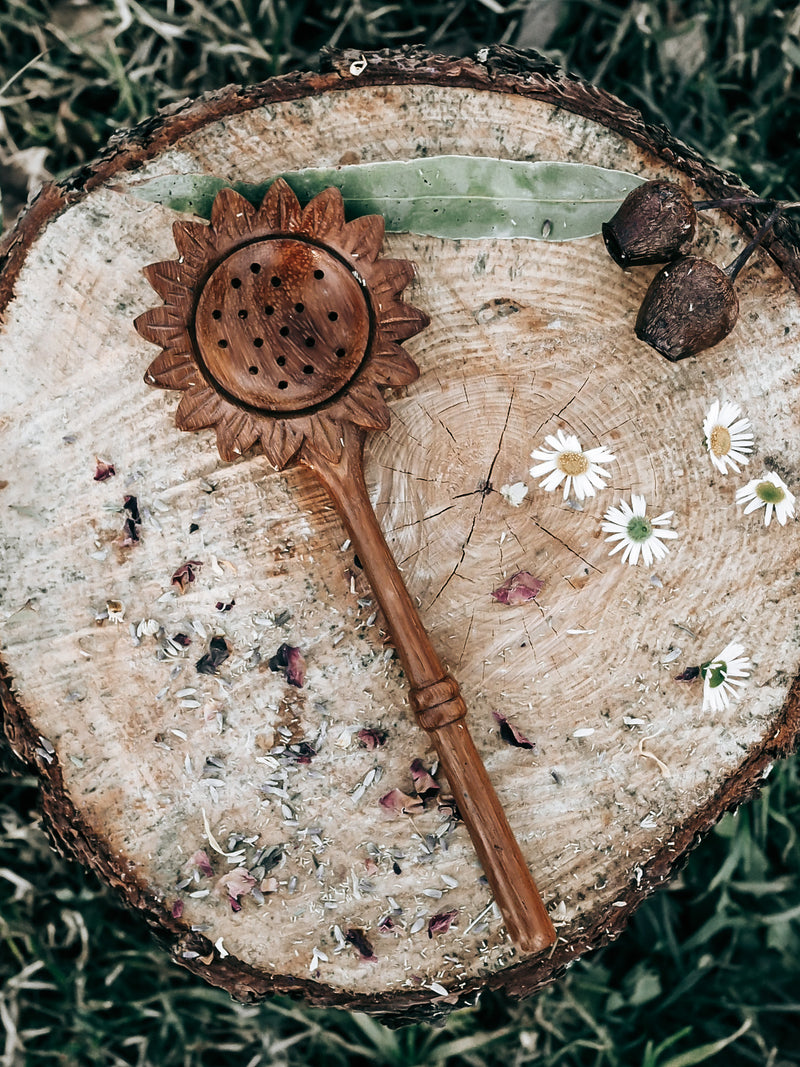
[484,489]
[563,543]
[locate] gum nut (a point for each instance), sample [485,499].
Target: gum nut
[654,224]
[690,306]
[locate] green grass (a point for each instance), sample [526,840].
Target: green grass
[722,74]
[707,971]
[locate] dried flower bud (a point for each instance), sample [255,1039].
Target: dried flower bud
[690,306]
[654,224]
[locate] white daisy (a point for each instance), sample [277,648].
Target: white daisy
[728,436]
[565,459]
[770,493]
[730,668]
[637,534]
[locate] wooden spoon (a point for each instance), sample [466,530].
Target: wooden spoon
[280,324]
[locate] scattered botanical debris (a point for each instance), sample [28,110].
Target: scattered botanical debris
[289,660]
[425,785]
[518,589]
[514,494]
[203,863]
[358,939]
[235,884]
[185,574]
[131,505]
[130,533]
[401,803]
[511,734]
[217,653]
[103,470]
[371,737]
[441,923]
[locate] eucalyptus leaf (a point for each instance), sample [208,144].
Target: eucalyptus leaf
[455,197]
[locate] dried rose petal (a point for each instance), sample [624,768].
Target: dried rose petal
[217,654]
[424,784]
[511,734]
[296,668]
[223,605]
[182,639]
[236,883]
[234,903]
[186,573]
[386,925]
[447,808]
[130,535]
[400,803]
[203,863]
[303,751]
[441,923]
[518,589]
[177,909]
[131,505]
[103,470]
[358,939]
[289,660]
[370,737]
[688,675]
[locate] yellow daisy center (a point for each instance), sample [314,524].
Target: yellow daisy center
[720,441]
[573,463]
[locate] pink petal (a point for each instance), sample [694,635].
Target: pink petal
[441,923]
[400,803]
[518,589]
[104,470]
[289,660]
[371,737]
[511,734]
[203,863]
[424,784]
[186,574]
[358,939]
[236,883]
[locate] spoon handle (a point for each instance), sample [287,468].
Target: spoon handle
[437,701]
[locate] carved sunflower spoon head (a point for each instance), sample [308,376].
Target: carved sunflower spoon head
[280,323]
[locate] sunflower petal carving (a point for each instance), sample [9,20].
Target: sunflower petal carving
[323,215]
[280,209]
[280,324]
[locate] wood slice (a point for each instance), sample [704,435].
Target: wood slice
[146,760]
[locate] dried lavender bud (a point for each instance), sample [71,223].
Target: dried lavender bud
[690,306]
[654,224]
